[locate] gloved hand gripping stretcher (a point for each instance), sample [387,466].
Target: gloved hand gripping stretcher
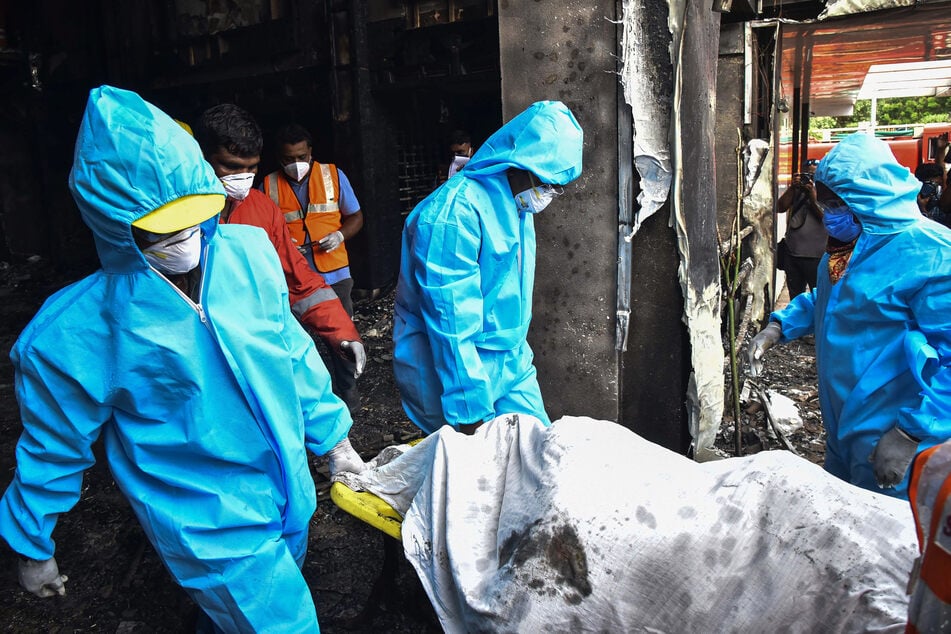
[364,505]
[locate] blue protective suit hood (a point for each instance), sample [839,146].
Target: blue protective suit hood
[123,139]
[863,172]
[544,139]
[464,297]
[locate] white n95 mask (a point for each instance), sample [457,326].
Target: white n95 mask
[237,186]
[458,162]
[177,254]
[535,199]
[297,170]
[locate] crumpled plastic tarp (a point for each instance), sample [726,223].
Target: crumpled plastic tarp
[586,526]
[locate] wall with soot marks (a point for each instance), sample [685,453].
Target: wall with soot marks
[568,52]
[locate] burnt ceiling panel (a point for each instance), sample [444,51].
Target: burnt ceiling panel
[828,61]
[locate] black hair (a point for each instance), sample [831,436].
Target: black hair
[927,171]
[230,127]
[458,137]
[292,134]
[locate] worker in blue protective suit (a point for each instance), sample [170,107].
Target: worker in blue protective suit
[464,296]
[183,354]
[881,316]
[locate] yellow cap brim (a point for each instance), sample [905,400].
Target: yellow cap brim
[181,213]
[187,128]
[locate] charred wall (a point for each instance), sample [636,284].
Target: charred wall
[379,85]
[52,51]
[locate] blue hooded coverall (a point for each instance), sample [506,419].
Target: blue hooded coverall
[883,332]
[205,409]
[464,297]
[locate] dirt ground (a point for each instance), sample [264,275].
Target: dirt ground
[789,371]
[117,584]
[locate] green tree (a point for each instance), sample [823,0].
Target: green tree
[898,111]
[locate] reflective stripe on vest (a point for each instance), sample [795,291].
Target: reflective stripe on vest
[936,565]
[271,187]
[291,216]
[328,185]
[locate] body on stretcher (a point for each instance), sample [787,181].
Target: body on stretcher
[527,487]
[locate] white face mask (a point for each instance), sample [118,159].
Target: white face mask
[237,186]
[457,164]
[177,254]
[297,170]
[537,198]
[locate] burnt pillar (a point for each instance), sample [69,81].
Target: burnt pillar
[566,51]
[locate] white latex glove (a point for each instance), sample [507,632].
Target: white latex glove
[343,457]
[763,341]
[357,354]
[892,456]
[41,577]
[330,242]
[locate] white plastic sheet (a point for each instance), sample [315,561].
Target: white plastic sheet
[585,526]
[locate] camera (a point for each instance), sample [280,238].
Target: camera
[804,178]
[928,190]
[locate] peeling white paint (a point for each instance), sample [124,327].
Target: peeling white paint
[651,115]
[658,158]
[705,389]
[758,213]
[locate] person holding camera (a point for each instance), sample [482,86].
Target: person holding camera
[933,199]
[799,252]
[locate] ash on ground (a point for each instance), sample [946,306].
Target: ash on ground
[790,371]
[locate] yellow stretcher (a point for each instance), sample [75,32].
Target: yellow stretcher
[367,508]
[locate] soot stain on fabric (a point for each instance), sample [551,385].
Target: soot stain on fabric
[731,514]
[828,537]
[442,559]
[645,517]
[560,550]
[574,598]
[681,542]
[519,547]
[566,555]
[687,512]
